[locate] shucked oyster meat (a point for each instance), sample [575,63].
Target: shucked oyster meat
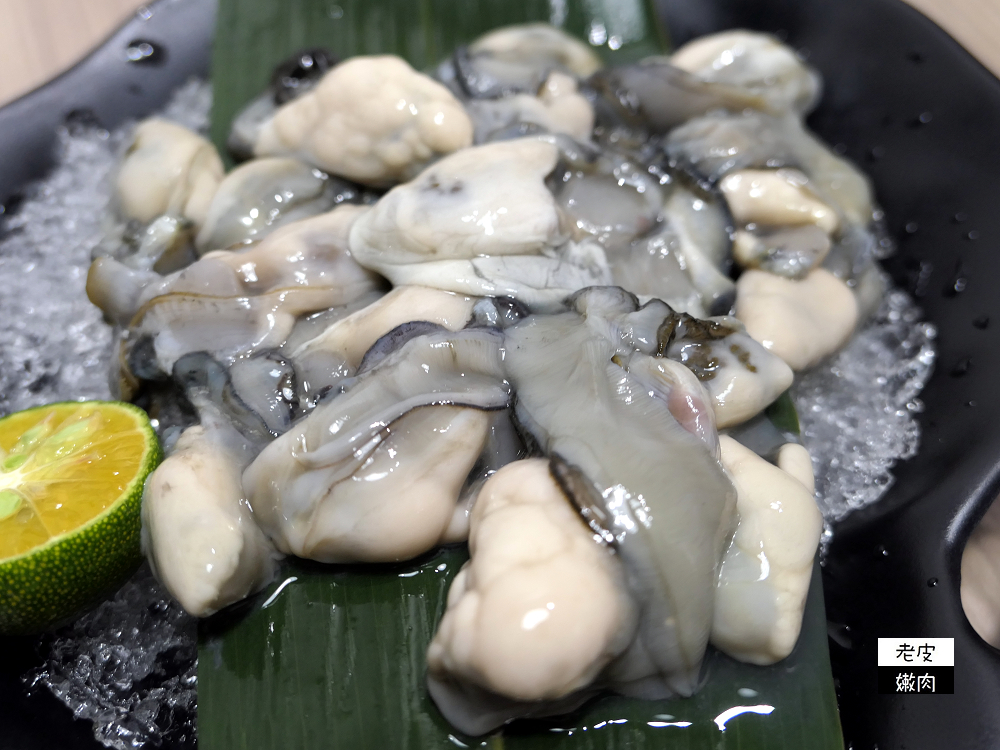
[554,339]
[375,473]
[372,119]
[480,222]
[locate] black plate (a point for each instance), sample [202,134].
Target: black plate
[921,116]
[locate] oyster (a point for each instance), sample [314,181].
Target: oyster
[480,222]
[558,107]
[307,253]
[802,321]
[337,352]
[605,194]
[789,252]
[198,530]
[172,325]
[778,197]
[261,195]
[290,79]
[766,571]
[712,146]
[168,169]
[741,375]
[516,60]
[375,473]
[373,120]
[785,228]
[364,426]
[637,438]
[756,62]
[536,614]
[655,267]
[655,96]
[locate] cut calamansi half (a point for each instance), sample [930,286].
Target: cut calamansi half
[71,478]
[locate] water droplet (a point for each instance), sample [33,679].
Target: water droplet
[932,582]
[840,634]
[882,550]
[335,12]
[598,33]
[875,153]
[973,235]
[911,227]
[960,217]
[982,322]
[924,118]
[956,286]
[961,367]
[143,52]
[840,148]
[919,273]
[970,403]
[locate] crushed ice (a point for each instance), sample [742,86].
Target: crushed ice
[53,344]
[857,411]
[130,665]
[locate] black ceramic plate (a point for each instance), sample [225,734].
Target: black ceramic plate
[921,116]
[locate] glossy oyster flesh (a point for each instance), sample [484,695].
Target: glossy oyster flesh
[600,301]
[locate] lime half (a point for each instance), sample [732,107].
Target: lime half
[71,477]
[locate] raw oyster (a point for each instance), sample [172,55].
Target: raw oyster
[637,438]
[375,473]
[480,222]
[776,197]
[290,79]
[558,107]
[719,143]
[198,531]
[535,615]
[605,194]
[789,252]
[766,572]
[172,325]
[258,394]
[756,62]
[261,195]
[654,96]
[655,267]
[373,120]
[741,375]
[168,169]
[800,320]
[516,60]
[309,253]
[784,226]
[337,352]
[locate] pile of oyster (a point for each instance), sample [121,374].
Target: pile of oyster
[530,302]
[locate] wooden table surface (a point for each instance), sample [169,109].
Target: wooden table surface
[40,38]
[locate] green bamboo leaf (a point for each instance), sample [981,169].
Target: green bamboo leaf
[783,414]
[253,36]
[333,656]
